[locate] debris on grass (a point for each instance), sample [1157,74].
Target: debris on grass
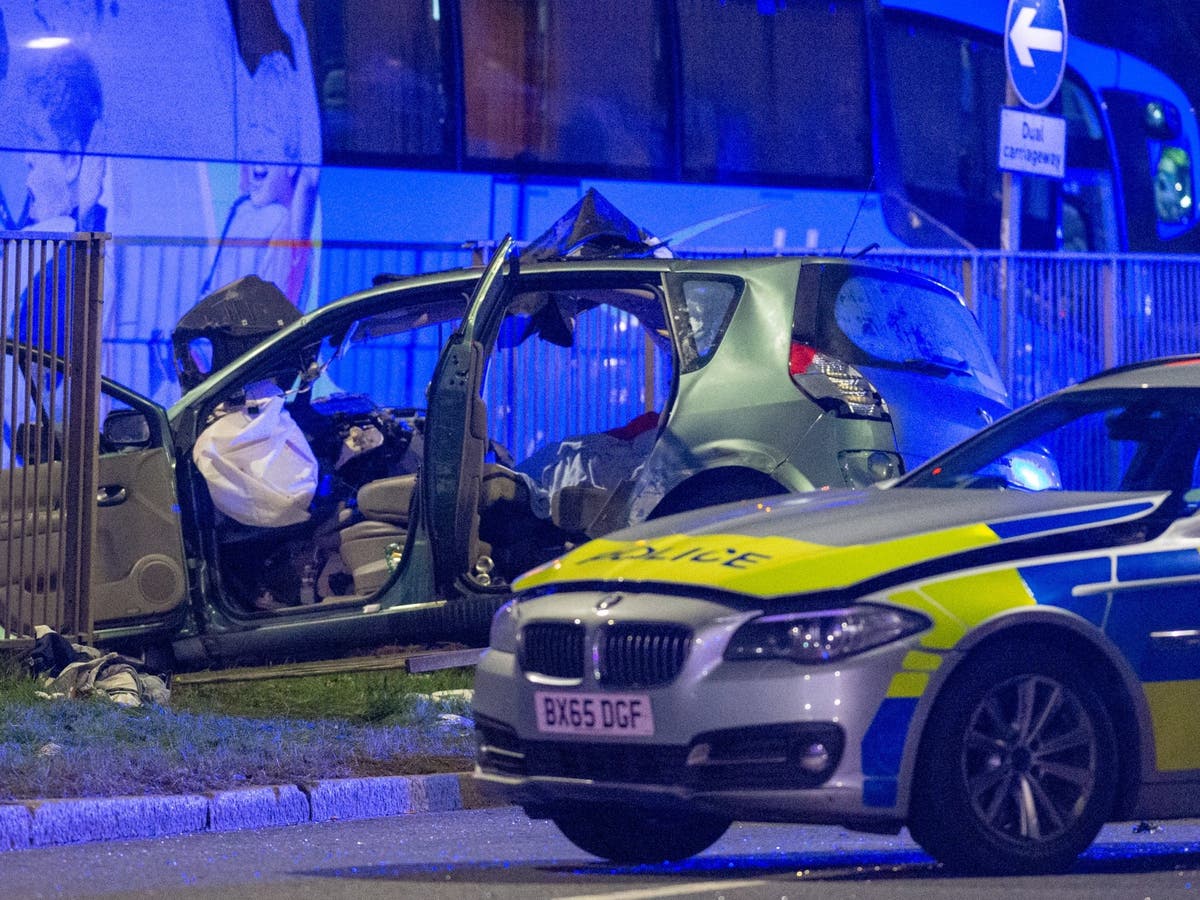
[269,733]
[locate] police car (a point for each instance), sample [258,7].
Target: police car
[1000,650]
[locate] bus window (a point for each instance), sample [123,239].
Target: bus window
[1089,220]
[945,91]
[1156,168]
[381,82]
[1173,186]
[946,87]
[544,85]
[778,95]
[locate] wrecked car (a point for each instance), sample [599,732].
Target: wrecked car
[459,428]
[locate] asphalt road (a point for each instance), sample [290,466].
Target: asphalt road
[501,855]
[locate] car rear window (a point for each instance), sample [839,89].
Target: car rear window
[903,321]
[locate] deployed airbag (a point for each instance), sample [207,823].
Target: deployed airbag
[258,465]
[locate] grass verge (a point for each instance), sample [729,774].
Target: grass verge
[218,736]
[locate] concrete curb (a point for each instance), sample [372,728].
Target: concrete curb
[44,823]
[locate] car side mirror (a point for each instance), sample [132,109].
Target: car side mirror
[126,429]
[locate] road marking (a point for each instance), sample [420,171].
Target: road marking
[680,890]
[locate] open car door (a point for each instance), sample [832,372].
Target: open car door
[138,563]
[456,430]
[136,581]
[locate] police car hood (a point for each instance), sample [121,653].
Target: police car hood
[832,540]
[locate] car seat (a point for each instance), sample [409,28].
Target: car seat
[384,507]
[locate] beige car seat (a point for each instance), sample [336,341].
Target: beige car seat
[384,505]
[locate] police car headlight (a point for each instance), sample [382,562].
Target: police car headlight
[503,634]
[822,636]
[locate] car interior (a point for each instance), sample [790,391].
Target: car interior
[567,430]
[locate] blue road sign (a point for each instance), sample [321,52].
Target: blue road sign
[1036,49]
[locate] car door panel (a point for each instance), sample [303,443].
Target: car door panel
[138,552]
[139,571]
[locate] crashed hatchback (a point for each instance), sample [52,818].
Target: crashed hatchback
[380,470]
[999,650]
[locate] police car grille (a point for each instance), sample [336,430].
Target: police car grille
[633,654]
[642,655]
[553,648]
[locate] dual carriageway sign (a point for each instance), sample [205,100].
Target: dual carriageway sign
[1035,43]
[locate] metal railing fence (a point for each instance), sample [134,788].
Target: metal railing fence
[1055,318]
[153,281]
[1051,318]
[50,303]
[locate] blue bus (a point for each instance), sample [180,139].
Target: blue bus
[215,139]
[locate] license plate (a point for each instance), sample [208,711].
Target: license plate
[568,712]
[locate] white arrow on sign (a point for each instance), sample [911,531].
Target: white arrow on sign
[1025,37]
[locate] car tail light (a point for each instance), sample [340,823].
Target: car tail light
[834,382]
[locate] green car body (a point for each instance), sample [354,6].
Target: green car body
[714,379]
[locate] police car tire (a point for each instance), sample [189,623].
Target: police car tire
[629,835]
[942,818]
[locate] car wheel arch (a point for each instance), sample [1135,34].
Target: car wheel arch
[738,482]
[1067,633]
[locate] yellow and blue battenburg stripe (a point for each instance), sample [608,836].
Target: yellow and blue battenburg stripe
[1153,617]
[1147,601]
[772,566]
[955,604]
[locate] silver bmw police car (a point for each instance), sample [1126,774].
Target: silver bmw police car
[1000,651]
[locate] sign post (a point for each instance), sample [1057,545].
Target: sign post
[1035,41]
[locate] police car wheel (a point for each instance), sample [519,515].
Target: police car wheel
[627,835]
[1017,769]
